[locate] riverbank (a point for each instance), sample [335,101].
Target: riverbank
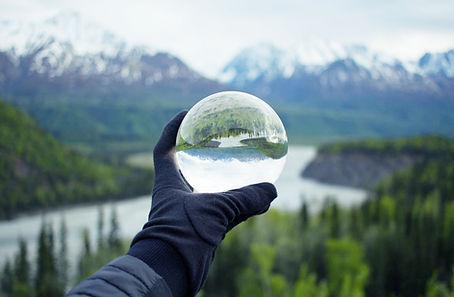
[355,169]
[362,164]
[132,213]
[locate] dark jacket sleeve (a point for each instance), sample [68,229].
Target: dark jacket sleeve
[124,276]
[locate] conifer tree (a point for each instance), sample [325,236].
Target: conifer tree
[7,278]
[355,224]
[84,261]
[21,265]
[114,240]
[448,235]
[46,272]
[334,221]
[21,286]
[304,216]
[86,240]
[63,264]
[100,227]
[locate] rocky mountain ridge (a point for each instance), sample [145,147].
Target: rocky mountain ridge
[70,52]
[324,69]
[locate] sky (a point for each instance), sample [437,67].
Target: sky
[206,34]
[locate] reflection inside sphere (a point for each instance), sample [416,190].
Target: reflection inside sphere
[229,140]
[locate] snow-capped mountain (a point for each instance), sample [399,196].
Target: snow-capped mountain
[69,51]
[264,60]
[72,51]
[320,67]
[269,61]
[84,35]
[437,64]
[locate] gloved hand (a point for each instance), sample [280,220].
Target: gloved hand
[195,223]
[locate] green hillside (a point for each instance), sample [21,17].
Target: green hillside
[427,146]
[130,122]
[37,171]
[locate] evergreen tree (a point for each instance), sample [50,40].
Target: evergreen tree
[46,272]
[63,264]
[86,241]
[7,278]
[84,261]
[100,227]
[114,240]
[355,224]
[448,235]
[304,216]
[21,286]
[334,224]
[21,265]
[347,272]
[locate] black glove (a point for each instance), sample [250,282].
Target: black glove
[194,223]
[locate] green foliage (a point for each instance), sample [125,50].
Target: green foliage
[306,285]
[399,242]
[63,263]
[113,240]
[7,279]
[427,146]
[391,245]
[438,289]
[100,227]
[107,249]
[21,282]
[448,234]
[46,266]
[21,265]
[37,172]
[51,269]
[347,272]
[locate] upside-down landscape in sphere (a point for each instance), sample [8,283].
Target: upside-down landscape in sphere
[229,140]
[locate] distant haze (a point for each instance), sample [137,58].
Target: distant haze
[207,34]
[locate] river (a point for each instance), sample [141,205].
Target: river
[132,213]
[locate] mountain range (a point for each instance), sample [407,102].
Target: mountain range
[66,69]
[70,52]
[327,69]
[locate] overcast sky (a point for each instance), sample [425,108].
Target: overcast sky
[207,33]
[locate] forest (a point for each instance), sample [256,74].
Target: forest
[37,172]
[399,242]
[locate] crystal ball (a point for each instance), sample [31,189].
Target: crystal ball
[229,140]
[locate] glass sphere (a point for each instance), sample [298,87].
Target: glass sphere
[229,140]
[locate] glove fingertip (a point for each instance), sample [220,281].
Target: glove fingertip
[169,133]
[258,196]
[267,188]
[172,127]
[180,115]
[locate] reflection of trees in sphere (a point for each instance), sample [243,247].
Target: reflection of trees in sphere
[229,140]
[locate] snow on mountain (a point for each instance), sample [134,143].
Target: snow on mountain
[70,48]
[333,65]
[84,35]
[438,63]
[317,67]
[266,61]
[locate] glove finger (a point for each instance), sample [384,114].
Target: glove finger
[213,214]
[167,140]
[166,170]
[240,204]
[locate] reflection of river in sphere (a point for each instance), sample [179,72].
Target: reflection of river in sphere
[229,140]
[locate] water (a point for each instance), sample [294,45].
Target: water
[132,213]
[293,189]
[224,168]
